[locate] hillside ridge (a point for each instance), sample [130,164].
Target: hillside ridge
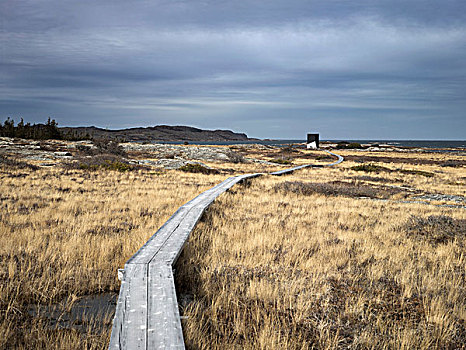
[158,133]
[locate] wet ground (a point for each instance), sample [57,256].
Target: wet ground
[87,313]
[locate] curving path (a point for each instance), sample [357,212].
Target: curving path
[147,315]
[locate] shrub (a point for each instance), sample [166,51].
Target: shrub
[106,146]
[323,157]
[281,161]
[107,165]
[235,157]
[288,149]
[197,168]
[452,163]
[435,229]
[106,162]
[16,164]
[346,145]
[416,172]
[371,178]
[335,188]
[86,150]
[46,147]
[102,147]
[370,168]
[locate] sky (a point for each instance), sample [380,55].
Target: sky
[361,69]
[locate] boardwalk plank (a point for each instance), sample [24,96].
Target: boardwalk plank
[164,325]
[132,328]
[146,253]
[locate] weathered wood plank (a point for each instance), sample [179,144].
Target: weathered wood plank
[131,330]
[340,159]
[153,245]
[119,318]
[173,247]
[164,326]
[289,171]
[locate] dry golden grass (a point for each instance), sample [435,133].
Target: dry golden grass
[266,268]
[270,269]
[65,234]
[445,180]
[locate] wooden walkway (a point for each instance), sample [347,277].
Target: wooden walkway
[290,170]
[147,315]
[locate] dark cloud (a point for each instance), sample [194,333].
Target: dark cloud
[383,69]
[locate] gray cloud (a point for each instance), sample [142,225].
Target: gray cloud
[273,69]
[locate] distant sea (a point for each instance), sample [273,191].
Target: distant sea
[396,143]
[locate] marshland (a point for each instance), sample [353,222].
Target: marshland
[367,254]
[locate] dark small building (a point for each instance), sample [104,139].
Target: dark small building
[313,138]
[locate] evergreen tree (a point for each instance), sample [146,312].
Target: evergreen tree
[9,128]
[49,130]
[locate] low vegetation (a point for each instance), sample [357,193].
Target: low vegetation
[437,229]
[290,262]
[102,162]
[335,188]
[236,157]
[108,164]
[12,163]
[107,146]
[348,145]
[277,270]
[416,172]
[370,168]
[65,232]
[197,168]
[323,157]
[371,178]
[282,161]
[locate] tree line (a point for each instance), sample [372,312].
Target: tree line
[39,131]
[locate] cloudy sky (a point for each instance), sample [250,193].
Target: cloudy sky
[361,69]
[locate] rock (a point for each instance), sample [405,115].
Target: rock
[254,146]
[442,197]
[169,164]
[163,151]
[62,154]
[260,161]
[39,157]
[79,144]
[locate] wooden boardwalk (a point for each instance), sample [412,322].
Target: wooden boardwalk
[290,170]
[147,315]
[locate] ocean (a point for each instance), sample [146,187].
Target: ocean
[396,143]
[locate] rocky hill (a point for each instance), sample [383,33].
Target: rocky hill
[157,133]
